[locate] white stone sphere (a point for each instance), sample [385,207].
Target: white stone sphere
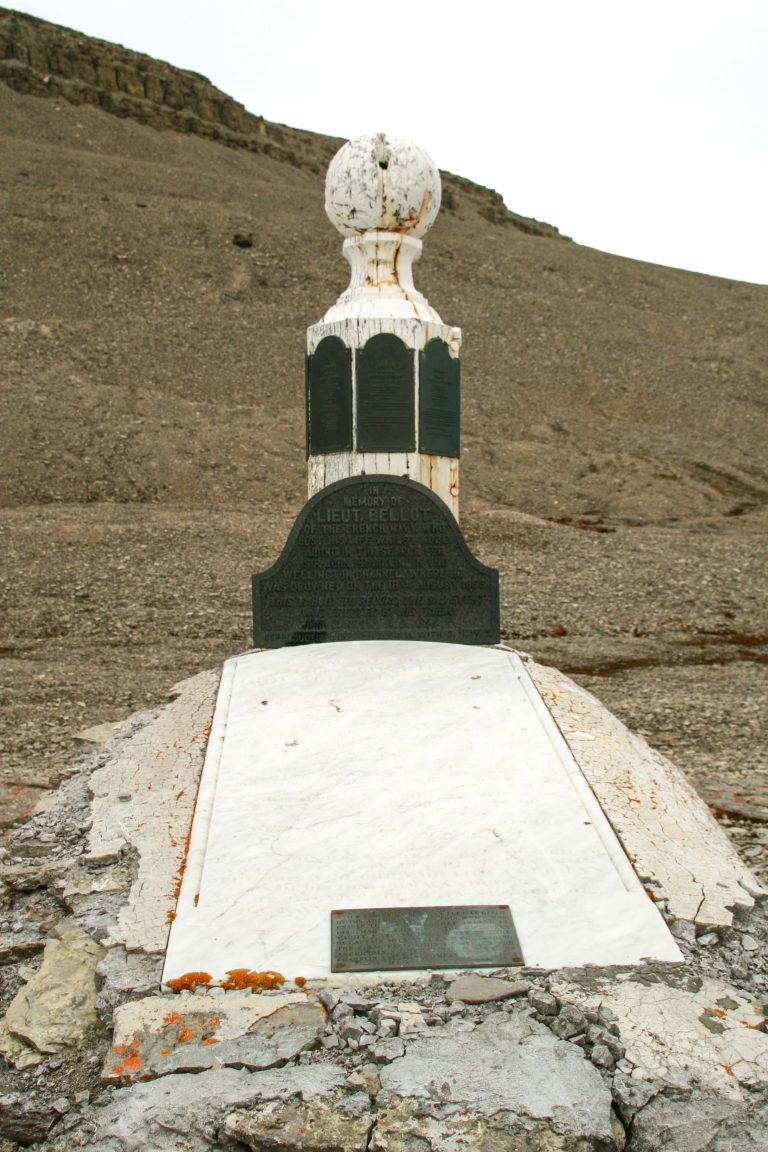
[383,183]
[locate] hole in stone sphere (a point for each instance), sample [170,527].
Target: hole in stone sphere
[383,163]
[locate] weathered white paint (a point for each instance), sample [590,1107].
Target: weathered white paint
[380,181]
[710,1030]
[381,285]
[143,799]
[674,842]
[382,212]
[395,773]
[438,473]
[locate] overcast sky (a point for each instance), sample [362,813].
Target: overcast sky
[635,126]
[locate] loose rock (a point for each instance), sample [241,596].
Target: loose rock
[481,989]
[543,1002]
[314,1126]
[25,1121]
[58,1005]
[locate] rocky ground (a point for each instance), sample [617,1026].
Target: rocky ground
[663,1056]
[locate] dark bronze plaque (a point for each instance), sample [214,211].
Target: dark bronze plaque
[386,391]
[439,391]
[329,397]
[462,936]
[375,558]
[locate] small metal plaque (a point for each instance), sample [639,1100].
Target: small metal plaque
[375,558]
[459,936]
[439,403]
[329,397]
[386,396]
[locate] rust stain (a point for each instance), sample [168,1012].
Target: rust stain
[454,479]
[182,864]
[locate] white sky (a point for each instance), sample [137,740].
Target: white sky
[635,126]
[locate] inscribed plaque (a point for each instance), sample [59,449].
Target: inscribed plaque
[474,935]
[375,558]
[439,407]
[386,406]
[329,397]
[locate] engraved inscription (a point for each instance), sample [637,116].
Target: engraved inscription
[329,397]
[386,408]
[439,405]
[372,939]
[376,558]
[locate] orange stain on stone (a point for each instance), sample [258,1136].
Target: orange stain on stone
[131,1061]
[189,981]
[243,978]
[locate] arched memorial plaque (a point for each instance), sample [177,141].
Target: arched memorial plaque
[386,408]
[329,397]
[375,558]
[439,400]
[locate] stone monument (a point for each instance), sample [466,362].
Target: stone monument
[415,802]
[377,554]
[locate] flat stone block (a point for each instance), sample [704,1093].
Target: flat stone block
[191,1032]
[305,1126]
[666,1024]
[480,989]
[508,1064]
[390,774]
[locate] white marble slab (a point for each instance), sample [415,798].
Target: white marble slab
[378,774]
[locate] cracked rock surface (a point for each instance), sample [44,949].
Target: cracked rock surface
[96,1057]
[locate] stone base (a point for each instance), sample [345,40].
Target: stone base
[394,774]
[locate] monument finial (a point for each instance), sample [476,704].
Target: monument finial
[382,183]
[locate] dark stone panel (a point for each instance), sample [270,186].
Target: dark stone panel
[375,558]
[386,390]
[439,400]
[329,397]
